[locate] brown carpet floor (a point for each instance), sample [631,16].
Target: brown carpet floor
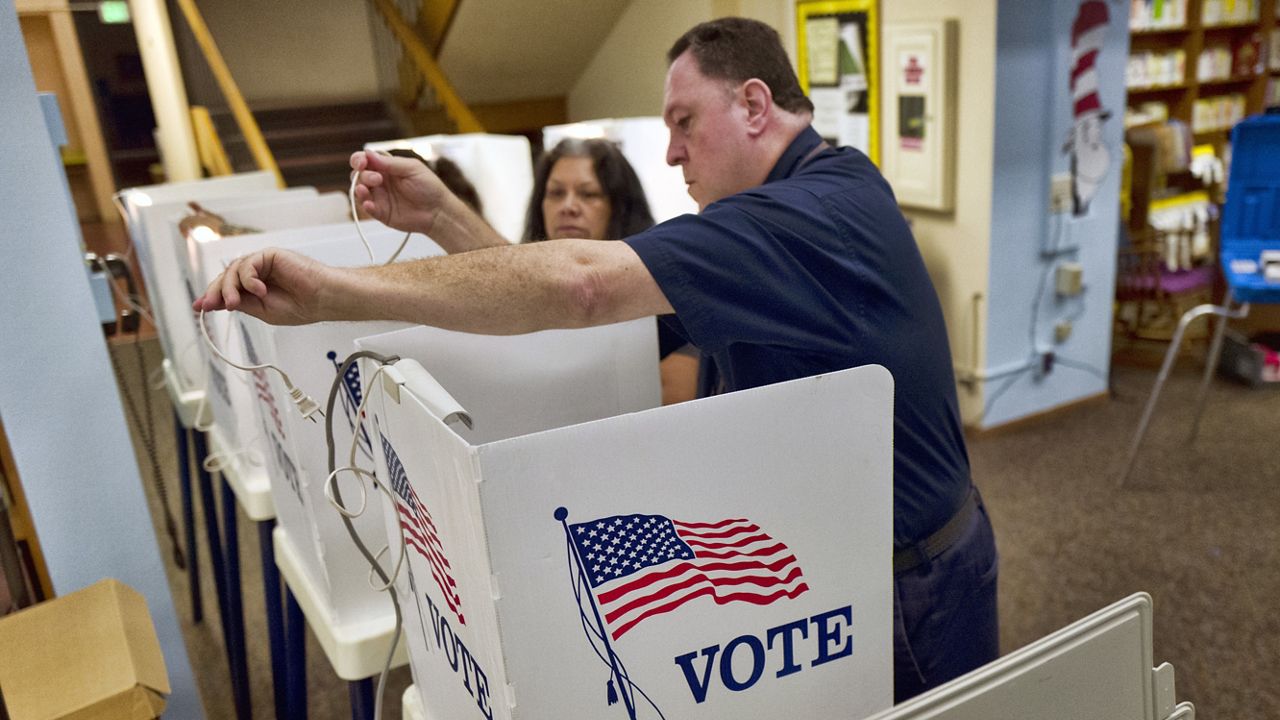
[1197,527]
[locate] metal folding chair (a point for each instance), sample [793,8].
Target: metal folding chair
[1250,255]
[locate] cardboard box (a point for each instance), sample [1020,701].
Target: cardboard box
[91,654]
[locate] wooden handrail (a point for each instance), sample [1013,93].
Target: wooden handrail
[417,51]
[239,109]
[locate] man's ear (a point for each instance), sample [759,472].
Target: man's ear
[759,102]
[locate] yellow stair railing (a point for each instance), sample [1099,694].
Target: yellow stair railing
[239,108]
[423,60]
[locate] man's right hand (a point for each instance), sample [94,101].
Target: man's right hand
[277,286]
[400,192]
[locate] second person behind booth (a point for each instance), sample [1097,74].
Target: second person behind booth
[586,189]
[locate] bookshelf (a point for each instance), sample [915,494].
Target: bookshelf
[1211,63]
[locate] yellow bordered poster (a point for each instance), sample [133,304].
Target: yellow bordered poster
[837,45]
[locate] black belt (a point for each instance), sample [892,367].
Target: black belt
[910,558]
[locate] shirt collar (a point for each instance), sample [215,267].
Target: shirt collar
[795,154]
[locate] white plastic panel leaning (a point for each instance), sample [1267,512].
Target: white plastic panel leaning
[1097,667]
[146,208]
[499,166]
[643,141]
[298,454]
[727,557]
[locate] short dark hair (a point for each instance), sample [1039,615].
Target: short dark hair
[629,209]
[738,49]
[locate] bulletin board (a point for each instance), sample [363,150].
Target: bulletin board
[837,42]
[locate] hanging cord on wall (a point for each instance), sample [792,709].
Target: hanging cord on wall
[334,494]
[144,421]
[355,218]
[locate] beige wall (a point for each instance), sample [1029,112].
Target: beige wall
[956,245]
[287,50]
[625,77]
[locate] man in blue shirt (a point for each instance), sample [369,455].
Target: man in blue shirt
[798,263]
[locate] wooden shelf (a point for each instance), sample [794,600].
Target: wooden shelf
[1237,80]
[1146,32]
[1157,88]
[1233,26]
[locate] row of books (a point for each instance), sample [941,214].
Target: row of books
[1156,68]
[1217,113]
[1171,14]
[1157,14]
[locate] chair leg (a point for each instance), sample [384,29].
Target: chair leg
[1174,344]
[1211,365]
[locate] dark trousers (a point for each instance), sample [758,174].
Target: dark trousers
[944,612]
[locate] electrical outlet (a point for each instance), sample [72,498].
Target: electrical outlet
[1070,279]
[1062,331]
[1060,193]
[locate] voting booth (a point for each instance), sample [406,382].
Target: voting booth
[297,454]
[147,210]
[236,433]
[499,166]
[727,557]
[643,142]
[1098,667]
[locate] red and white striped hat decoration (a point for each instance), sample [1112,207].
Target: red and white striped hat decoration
[1086,42]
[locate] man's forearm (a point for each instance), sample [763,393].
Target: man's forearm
[501,291]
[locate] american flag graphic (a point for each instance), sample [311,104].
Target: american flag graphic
[640,566]
[262,385]
[351,398]
[420,531]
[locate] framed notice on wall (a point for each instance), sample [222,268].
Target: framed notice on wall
[838,49]
[919,113]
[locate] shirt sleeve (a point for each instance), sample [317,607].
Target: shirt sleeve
[752,269]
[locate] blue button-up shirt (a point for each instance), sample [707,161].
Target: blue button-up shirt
[815,271]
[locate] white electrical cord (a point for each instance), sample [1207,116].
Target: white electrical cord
[355,218]
[331,495]
[305,404]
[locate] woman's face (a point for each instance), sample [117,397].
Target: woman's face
[575,206]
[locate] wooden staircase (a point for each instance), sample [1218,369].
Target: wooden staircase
[311,143]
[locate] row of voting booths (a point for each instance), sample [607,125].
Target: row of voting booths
[559,544]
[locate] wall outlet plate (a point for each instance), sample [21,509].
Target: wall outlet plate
[1062,331]
[1060,193]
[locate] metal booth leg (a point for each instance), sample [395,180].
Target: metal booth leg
[182,436]
[295,630]
[275,616]
[361,692]
[236,654]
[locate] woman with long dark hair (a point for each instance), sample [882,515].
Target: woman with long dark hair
[587,189]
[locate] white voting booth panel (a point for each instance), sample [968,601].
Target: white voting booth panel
[147,209]
[747,537]
[298,455]
[234,396]
[499,167]
[286,210]
[1097,668]
[643,141]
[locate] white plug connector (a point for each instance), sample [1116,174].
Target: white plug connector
[304,402]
